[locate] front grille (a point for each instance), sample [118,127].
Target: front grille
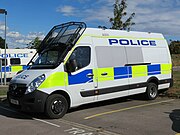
[17,90]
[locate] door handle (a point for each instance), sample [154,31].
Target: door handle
[89,75]
[103,74]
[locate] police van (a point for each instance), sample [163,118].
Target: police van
[16,60]
[77,65]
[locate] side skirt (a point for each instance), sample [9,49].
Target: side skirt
[119,88]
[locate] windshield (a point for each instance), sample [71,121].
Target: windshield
[48,58]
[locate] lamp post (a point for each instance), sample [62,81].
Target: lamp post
[3,11]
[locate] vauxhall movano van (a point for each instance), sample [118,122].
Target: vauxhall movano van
[76,65]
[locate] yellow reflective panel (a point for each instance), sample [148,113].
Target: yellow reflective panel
[166,68]
[139,71]
[55,79]
[95,73]
[16,68]
[105,74]
[127,37]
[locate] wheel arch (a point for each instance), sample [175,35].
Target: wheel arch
[63,93]
[153,80]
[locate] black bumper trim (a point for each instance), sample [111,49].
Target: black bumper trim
[167,81]
[32,102]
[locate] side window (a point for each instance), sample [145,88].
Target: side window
[15,61]
[80,58]
[135,55]
[110,56]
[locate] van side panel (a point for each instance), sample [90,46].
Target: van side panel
[142,62]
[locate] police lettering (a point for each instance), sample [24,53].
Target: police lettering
[14,55]
[132,42]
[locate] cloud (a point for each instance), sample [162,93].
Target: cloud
[156,16]
[2,26]
[14,34]
[66,10]
[33,35]
[151,15]
[23,41]
[16,39]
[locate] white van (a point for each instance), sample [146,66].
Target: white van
[78,65]
[16,60]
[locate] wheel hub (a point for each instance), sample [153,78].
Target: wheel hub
[153,92]
[57,107]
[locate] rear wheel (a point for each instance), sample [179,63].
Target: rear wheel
[152,91]
[56,106]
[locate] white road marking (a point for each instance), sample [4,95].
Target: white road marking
[52,124]
[40,120]
[80,126]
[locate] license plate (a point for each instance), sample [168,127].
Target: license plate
[13,101]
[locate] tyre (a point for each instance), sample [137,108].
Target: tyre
[56,106]
[151,91]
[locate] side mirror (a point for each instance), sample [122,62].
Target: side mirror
[71,66]
[67,67]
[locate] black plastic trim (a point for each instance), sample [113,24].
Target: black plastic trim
[166,81]
[112,89]
[121,88]
[136,64]
[32,102]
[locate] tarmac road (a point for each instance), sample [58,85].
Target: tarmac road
[123,116]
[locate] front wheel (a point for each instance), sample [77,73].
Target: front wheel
[152,91]
[56,106]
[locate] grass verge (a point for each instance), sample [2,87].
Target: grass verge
[3,90]
[176,59]
[175,90]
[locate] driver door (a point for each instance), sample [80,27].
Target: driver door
[80,75]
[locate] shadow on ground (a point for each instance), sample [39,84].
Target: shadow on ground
[175,117]
[15,113]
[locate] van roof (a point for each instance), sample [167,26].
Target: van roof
[121,33]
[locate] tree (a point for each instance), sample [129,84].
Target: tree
[174,47]
[2,42]
[119,13]
[35,44]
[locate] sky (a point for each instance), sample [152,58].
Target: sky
[27,19]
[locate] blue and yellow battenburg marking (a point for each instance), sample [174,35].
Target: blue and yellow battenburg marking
[63,79]
[14,68]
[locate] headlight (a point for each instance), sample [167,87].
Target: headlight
[35,84]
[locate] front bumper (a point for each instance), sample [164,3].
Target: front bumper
[32,102]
